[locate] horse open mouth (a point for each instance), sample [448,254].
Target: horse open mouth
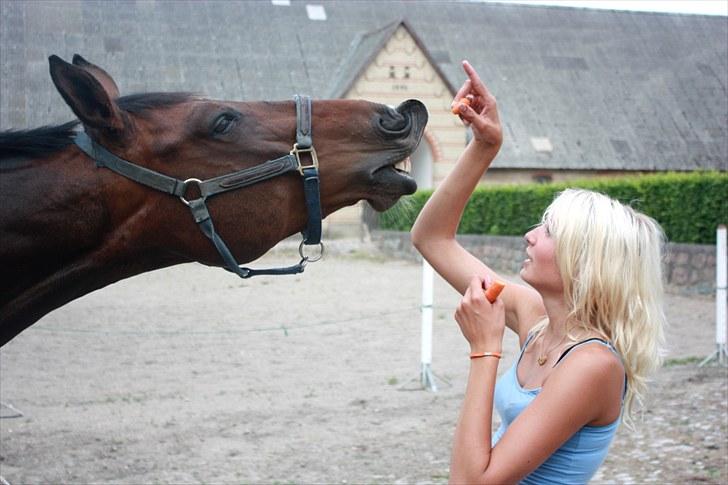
[402,129]
[403,168]
[390,183]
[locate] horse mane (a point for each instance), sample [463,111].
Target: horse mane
[37,142]
[43,141]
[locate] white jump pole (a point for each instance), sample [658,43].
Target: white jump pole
[426,377]
[721,299]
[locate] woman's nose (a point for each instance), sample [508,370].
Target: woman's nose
[528,237]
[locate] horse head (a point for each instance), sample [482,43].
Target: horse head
[92,226]
[359,146]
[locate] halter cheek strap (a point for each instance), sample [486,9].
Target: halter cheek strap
[302,158]
[309,172]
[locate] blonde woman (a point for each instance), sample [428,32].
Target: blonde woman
[589,322]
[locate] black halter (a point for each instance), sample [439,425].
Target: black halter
[236,180]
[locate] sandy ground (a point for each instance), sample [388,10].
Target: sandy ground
[189,375]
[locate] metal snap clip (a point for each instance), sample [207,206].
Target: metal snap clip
[184,189]
[311,259]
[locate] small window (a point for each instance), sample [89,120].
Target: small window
[316,12]
[542,144]
[543,178]
[391,72]
[406,72]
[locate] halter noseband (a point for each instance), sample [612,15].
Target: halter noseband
[303,147]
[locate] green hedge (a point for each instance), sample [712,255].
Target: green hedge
[689,206]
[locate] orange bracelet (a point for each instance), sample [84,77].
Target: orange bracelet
[497,355]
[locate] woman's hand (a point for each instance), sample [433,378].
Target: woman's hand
[482,114]
[481,322]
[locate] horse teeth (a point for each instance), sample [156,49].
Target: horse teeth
[405,165]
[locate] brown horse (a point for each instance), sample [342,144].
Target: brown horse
[68,227]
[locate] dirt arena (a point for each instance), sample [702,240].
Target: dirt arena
[190,375]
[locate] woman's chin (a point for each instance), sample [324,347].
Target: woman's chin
[524,269]
[527,277]
[524,275]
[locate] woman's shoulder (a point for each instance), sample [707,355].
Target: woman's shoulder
[590,365]
[592,354]
[590,345]
[597,373]
[588,362]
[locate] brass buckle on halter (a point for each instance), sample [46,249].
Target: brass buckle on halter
[314,158]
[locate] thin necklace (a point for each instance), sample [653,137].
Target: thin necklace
[544,356]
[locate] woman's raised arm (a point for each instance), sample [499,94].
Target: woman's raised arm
[433,233]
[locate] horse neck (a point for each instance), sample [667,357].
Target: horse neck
[59,239]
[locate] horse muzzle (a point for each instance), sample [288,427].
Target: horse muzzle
[403,127]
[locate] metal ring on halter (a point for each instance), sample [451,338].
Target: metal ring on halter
[309,258]
[184,189]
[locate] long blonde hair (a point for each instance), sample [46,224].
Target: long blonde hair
[610,259]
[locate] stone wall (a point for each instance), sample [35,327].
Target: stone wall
[689,268]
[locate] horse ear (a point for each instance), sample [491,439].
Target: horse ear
[85,95]
[101,76]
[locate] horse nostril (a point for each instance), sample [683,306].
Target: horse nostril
[394,122]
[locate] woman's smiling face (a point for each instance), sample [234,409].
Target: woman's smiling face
[540,269]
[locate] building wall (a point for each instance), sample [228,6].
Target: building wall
[401,71]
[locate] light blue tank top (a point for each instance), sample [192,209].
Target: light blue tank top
[578,458]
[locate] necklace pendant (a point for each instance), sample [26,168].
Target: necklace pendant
[542,360]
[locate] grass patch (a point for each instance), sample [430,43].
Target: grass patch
[373,257]
[440,476]
[682,361]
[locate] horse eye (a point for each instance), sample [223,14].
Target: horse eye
[224,124]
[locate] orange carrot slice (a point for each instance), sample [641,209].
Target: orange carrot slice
[456,108]
[494,290]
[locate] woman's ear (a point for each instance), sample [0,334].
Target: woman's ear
[86,96]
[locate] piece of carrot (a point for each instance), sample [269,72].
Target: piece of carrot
[456,108]
[494,290]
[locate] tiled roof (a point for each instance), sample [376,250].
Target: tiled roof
[609,90]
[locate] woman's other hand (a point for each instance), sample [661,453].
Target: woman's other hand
[481,322]
[482,114]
